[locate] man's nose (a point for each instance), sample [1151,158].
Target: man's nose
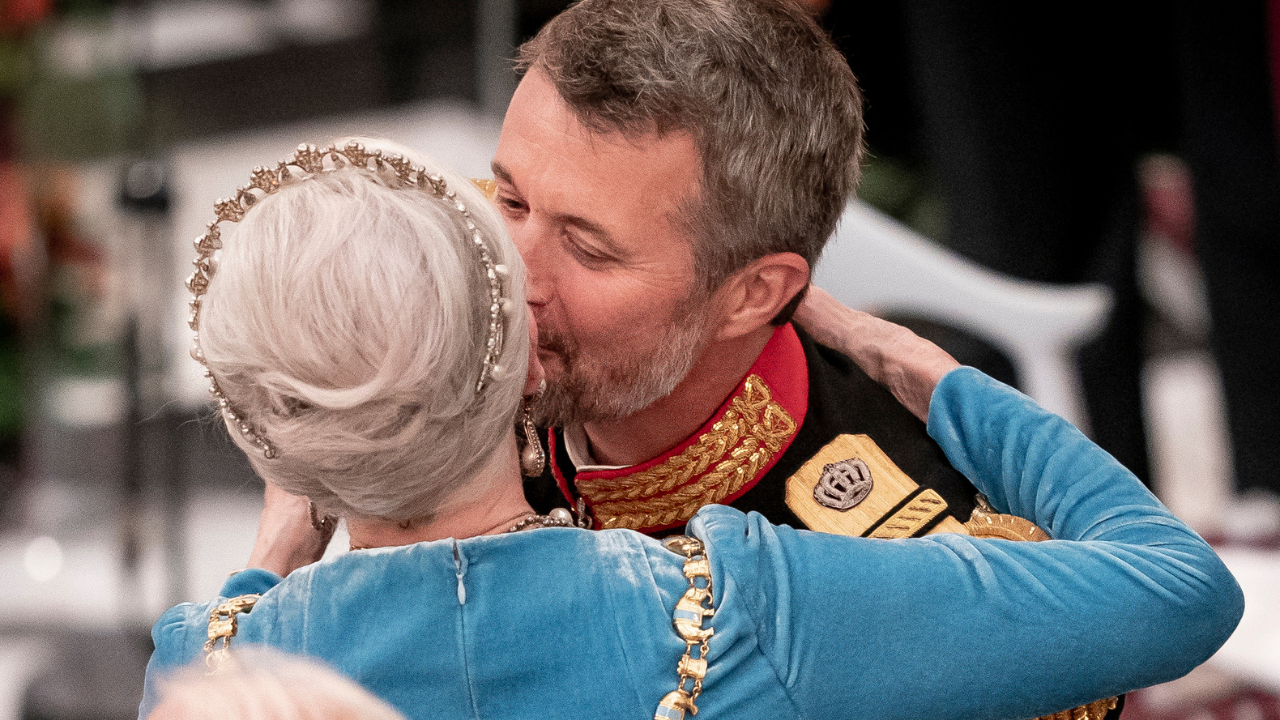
[532,241]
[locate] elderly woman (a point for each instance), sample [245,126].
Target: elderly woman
[366,339]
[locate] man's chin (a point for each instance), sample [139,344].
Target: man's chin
[569,400]
[556,409]
[574,400]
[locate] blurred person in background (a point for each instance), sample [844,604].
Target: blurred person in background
[1031,132]
[1229,95]
[257,683]
[366,336]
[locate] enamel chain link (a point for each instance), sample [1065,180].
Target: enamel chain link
[693,607]
[223,627]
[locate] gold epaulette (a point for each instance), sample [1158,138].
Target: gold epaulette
[852,488]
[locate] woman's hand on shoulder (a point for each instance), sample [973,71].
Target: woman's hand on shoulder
[905,363]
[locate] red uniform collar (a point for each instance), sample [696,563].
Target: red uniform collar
[718,463]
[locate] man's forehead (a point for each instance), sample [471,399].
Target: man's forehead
[537,110]
[540,158]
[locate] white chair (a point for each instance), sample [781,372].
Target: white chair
[1253,650]
[875,263]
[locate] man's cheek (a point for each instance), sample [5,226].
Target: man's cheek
[605,315]
[553,365]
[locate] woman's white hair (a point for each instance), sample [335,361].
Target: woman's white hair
[347,323]
[257,683]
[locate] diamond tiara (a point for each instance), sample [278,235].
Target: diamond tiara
[308,161]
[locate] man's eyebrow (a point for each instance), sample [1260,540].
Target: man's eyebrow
[591,227]
[501,173]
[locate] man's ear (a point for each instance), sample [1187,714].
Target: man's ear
[753,296]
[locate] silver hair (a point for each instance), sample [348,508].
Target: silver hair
[258,683]
[346,323]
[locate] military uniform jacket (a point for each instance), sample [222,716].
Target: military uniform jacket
[805,431]
[799,399]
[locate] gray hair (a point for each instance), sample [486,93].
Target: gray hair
[348,323]
[258,683]
[769,99]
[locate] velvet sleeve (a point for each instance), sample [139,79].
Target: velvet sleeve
[952,626]
[180,633]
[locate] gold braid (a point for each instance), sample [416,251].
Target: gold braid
[736,448]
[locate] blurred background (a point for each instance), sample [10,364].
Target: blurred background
[1127,156]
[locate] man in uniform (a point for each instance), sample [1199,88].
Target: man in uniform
[670,171]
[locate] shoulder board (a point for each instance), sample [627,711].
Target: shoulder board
[851,487]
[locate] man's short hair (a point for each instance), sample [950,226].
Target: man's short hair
[771,103]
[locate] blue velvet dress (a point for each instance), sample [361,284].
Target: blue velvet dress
[564,622]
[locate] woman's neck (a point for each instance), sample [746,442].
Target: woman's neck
[490,513]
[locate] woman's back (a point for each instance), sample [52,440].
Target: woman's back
[482,627]
[560,621]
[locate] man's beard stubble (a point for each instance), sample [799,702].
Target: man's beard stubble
[613,387]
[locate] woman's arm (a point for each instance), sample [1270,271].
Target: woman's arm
[953,626]
[286,538]
[285,541]
[180,633]
[907,364]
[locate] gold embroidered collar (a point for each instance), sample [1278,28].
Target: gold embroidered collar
[720,462]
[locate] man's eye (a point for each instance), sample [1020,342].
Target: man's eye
[509,203]
[585,254]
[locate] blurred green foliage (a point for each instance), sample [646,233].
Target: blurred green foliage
[904,193]
[71,118]
[11,390]
[91,110]
[16,65]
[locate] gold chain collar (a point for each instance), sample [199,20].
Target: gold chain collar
[223,626]
[692,608]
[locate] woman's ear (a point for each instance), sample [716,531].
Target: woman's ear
[752,297]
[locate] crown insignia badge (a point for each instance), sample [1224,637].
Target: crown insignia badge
[843,484]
